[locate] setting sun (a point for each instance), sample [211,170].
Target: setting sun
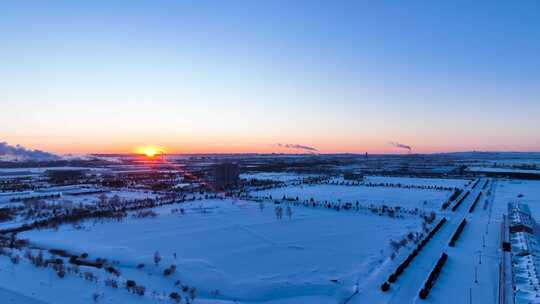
[150,151]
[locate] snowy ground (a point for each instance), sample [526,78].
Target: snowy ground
[245,253]
[392,196]
[92,198]
[521,191]
[249,256]
[126,194]
[415,181]
[276,176]
[498,169]
[24,284]
[40,170]
[476,251]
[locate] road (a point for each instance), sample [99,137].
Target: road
[456,283]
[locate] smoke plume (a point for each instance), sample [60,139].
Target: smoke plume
[402,146]
[20,153]
[298,147]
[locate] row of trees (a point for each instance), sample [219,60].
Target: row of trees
[401,267]
[16,185]
[453,197]
[457,233]
[433,275]
[406,186]
[471,209]
[263,184]
[456,205]
[394,212]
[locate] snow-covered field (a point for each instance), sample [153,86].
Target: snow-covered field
[24,284]
[392,196]
[92,198]
[499,169]
[415,181]
[276,176]
[242,251]
[237,251]
[40,170]
[131,194]
[520,191]
[66,196]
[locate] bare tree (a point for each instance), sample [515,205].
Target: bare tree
[289,212]
[157,258]
[192,293]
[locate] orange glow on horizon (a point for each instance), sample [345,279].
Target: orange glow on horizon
[150,151]
[209,145]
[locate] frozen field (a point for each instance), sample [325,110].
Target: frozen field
[39,170]
[509,170]
[24,284]
[245,253]
[414,181]
[392,196]
[92,198]
[522,191]
[66,197]
[276,176]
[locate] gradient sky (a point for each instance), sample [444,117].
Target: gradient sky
[241,76]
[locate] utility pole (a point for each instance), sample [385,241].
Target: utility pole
[476,274]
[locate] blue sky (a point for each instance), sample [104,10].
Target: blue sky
[201,76]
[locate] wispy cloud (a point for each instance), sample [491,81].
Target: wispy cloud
[398,145]
[298,147]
